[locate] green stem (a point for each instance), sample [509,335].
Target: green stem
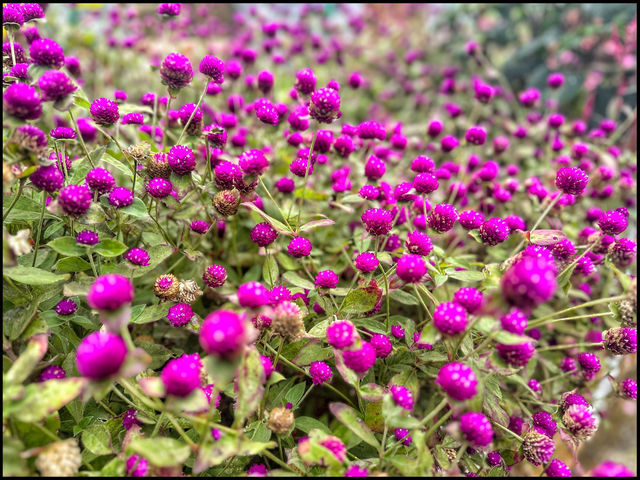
[506,430]
[538,222]
[481,346]
[11,42]
[35,252]
[424,305]
[434,412]
[384,440]
[184,129]
[353,282]
[124,332]
[275,459]
[15,199]
[573,345]
[437,425]
[84,146]
[179,429]
[264,187]
[93,265]
[575,260]
[306,176]
[461,451]
[539,321]
[577,317]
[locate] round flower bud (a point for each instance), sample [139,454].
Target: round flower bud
[341,334]
[48,178]
[580,421]
[104,111]
[411,268]
[100,180]
[494,458]
[176,71]
[613,222]
[425,183]
[181,376]
[476,136]
[166,287]
[557,468]
[87,237]
[360,360]
[529,282]
[544,421]
[47,53]
[215,276]
[159,187]
[494,231]
[442,217]
[628,389]
[621,341]
[516,355]
[402,397]
[469,298]
[622,252]
[252,295]
[180,314]
[470,219]
[366,262]
[377,221]
[514,322]
[52,372]
[327,279]
[299,247]
[55,85]
[121,197]
[572,180]
[110,292]
[100,355]
[222,333]
[280,420]
[213,68]
[476,429]
[263,234]
[611,469]
[458,381]
[382,345]
[181,160]
[74,200]
[138,256]
[402,434]
[137,466]
[450,318]
[22,101]
[537,448]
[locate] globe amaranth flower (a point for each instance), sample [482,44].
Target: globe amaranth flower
[63,133]
[280,421]
[133,118]
[529,282]
[47,53]
[159,187]
[621,341]
[215,276]
[305,82]
[613,222]
[216,135]
[180,314]
[572,180]
[377,221]
[375,168]
[516,355]
[402,396]
[137,466]
[325,105]
[252,295]
[138,256]
[12,17]
[169,9]
[213,68]
[110,292]
[287,321]
[469,298]
[449,143]
[22,101]
[66,307]
[327,279]
[176,71]
[263,234]
[181,160]
[544,421]
[476,429]
[458,381]
[360,360]
[442,217]
[257,470]
[628,389]
[121,197]
[74,200]
[100,355]
[341,334]
[87,237]
[425,183]
[537,448]
[371,130]
[48,178]
[470,219]
[494,231]
[556,468]
[226,174]
[320,372]
[476,135]
[356,471]
[191,117]
[411,268]
[199,226]
[580,421]
[402,434]
[366,262]
[104,111]
[494,458]
[223,333]
[52,372]
[265,81]
[382,345]
[611,469]
[450,318]
[514,322]
[181,376]
[55,85]
[299,247]
[253,162]
[589,364]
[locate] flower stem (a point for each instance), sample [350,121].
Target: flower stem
[15,199]
[506,430]
[274,202]
[306,176]
[566,346]
[539,321]
[575,260]
[186,125]
[438,424]
[564,319]
[434,412]
[35,252]
[11,42]
[84,146]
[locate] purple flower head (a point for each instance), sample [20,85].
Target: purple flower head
[450,318]
[470,219]
[215,276]
[216,135]
[180,314]
[623,252]
[159,187]
[176,71]
[253,162]
[366,262]
[110,292]
[252,295]
[537,448]
[199,226]
[411,268]
[213,68]
[425,183]
[263,234]
[181,160]
[469,298]
[87,237]
[55,85]
[442,217]
[66,307]
[325,105]
[530,97]
[621,341]
[628,389]
[267,113]
[529,282]
[611,469]
[589,364]
[341,334]
[494,231]
[356,471]
[320,372]
[514,322]
[360,360]
[613,222]
[572,180]
[556,468]
[544,421]
[449,143]
[12,17]
[516,355]
[476,429]
[419,243]
[74,200]
[327,279]
[48,178]
[63,133]
[494,458]
[375,168]
[169,9]
[222,333]
[299,247]
[52,372]
[458,381]
[402,396]
[580,421]
[47,53]
[22,101]
[121,197]
[377,221]
[422,164]
[104,111]
[265,81]
[137,466]
[515,223]
[100,355]
[138,256]
[476,136]
[305,82]
[181,376]
[382,345]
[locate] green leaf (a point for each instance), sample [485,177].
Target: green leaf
[161,452]
[403,297]
[325,222]
[137,209]
[319,330]
[42,399]
[152,313]
[159,353]
[270,270]
[311,352]
[439,279]
[97,439]
[350,419]
[180,182]
[298,281]
[279,226]
[26,362]
[80,101]
[250,386]
[16,320]
[72,264]
[294,394]
[67,246]
[118,164]
[359,301]
[115,468]
[467,275]
[110,248]
[222,371]
[33,276]
[94,216]
[307,423]
[565,275]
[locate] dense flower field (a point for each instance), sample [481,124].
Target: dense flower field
[313,240]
